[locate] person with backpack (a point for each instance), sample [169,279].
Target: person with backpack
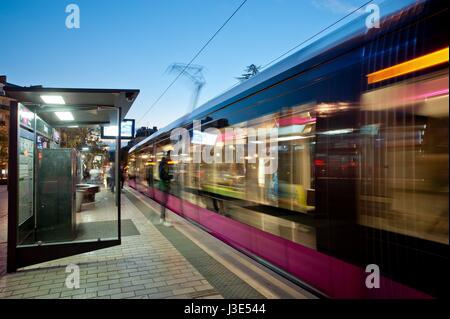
[164,186]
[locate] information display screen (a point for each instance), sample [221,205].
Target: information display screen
[111,131]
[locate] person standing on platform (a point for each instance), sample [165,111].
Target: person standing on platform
[164,186]
[112,177]
[122,175]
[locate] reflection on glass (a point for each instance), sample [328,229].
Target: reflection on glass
[4,131]
[404,173]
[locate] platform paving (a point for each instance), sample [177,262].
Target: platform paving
[224,281]
[156,262]
[144,266]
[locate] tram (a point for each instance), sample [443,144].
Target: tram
[362,146]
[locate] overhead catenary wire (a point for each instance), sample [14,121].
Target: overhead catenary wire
[306,40]
[192,60]
[316,34]
[263,67]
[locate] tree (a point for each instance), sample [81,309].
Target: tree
[85,137]
[250,71]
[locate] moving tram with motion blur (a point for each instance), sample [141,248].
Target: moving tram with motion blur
[361,188]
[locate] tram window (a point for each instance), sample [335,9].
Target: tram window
[242,191]
[290,187]
[295,157]
[404,176]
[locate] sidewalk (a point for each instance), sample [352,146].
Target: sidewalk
[176,262]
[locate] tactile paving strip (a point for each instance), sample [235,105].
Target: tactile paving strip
[224,281]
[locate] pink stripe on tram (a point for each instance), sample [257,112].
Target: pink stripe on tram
[333,277]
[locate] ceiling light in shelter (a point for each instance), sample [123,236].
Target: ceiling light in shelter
[53,99]
[64,116]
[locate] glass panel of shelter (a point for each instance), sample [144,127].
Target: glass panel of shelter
[67,183]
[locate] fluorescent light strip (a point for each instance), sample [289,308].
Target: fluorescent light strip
[53,99]
[64,116]
[417,64]
[337,132]
[292,138]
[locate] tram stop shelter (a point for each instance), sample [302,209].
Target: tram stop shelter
[64,181]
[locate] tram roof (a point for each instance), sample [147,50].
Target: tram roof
[348,32]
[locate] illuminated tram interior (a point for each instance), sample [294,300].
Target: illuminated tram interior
[251,195]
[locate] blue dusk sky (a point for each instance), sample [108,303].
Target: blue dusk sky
[130,44]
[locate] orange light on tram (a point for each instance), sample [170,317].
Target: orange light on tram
[417,64]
